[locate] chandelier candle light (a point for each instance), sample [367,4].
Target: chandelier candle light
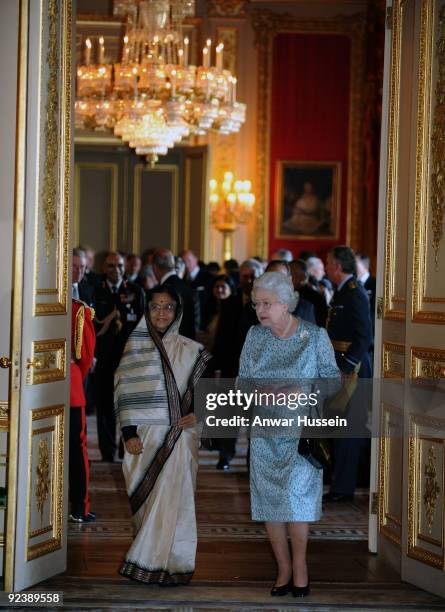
[153,98]
[232,203]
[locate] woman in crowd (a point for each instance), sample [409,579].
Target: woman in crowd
[286,489]
[153,398]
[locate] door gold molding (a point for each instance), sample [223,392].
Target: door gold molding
[423,547]
[389,526]
[106,166]
[391,302]
[427,364]
[48,361]
[47,487]
[429,128]
[391,351]
[54,194]
[205,209]
[137,189]
[17,295]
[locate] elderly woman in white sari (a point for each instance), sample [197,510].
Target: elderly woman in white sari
[153,399]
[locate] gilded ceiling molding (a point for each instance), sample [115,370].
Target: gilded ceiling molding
[49,189]
[227,8]
[438,145]
[267,25]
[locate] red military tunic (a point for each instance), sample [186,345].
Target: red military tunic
[83,342]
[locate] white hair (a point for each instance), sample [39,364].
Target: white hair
[281,285]
[254,265]
[313,261]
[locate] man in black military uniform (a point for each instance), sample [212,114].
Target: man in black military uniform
[368,281]
[119,305]
[350,331]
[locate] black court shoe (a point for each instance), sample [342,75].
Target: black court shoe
[301,591]
[284,589]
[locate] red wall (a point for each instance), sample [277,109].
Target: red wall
[309,115]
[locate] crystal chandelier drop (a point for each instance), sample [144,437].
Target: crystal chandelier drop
[154,97]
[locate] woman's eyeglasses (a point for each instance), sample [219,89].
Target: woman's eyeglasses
[266,305]
[159,307]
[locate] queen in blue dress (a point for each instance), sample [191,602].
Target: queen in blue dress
[286,489]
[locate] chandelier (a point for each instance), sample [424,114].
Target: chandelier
[232,203]
[154,97]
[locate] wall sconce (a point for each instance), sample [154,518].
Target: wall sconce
[232,203]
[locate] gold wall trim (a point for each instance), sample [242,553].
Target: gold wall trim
[389,299]
[228,35]
[437,198]
[49,188]
[428,187]
[267,25]
[187,184]
[48,361]
[202,154]
[434,559]
[17,293]
[4,415]
[48,489]
[174,171]
[56,190]
[389,526]
[390,349]
[105,166]
[427,363]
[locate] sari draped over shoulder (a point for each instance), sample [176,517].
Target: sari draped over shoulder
[153,390]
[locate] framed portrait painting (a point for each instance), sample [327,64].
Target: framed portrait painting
[307,200]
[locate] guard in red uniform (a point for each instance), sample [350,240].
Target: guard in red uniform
[83,342]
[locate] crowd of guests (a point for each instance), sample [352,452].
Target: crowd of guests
[158,318]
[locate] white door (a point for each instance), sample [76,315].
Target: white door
[38,397]
[410,406]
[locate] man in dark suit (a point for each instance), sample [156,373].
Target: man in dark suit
[133,266]
[90,276]
[368,281]
[349,328]
[165,273]
[300,280]
[119,305]
[81,289]
[202,283]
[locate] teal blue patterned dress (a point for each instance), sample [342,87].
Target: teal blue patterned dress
[284,486]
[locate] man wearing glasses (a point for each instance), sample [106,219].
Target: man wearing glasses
[119,305]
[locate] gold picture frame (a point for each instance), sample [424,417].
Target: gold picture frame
[307,200]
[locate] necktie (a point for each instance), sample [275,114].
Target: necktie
[114,289]
[75,291]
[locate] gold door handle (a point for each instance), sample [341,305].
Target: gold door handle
[37,364]
[5,363]
[42,363]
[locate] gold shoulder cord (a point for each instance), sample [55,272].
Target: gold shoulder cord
[78,332]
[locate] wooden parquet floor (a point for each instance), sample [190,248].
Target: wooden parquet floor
[235,567]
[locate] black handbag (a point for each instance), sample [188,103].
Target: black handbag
[316,451]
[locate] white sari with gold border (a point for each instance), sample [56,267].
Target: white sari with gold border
[154,384]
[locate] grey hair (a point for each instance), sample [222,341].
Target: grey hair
[254,265]
[78,252]
[164,260]
[281,285]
